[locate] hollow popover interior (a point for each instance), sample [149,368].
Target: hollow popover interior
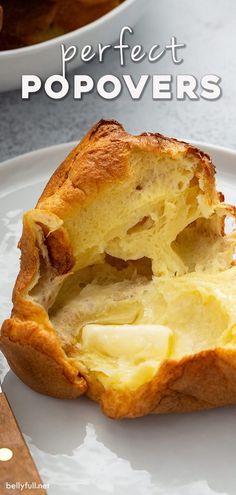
[152,278]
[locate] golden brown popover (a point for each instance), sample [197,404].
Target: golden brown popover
[127,285]
[26,22]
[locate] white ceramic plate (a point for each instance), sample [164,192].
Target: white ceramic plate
[76,448]
[44,59]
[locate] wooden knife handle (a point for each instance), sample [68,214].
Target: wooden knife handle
[20,468]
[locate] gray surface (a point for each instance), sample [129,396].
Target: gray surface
[208,29]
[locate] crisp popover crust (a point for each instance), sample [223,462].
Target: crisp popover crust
[127,285]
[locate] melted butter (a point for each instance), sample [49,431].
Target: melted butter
[176,317]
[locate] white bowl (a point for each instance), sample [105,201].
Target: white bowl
[44,59]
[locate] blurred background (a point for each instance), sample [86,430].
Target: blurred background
[207,28]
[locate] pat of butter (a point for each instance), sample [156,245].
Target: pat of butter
[128,341]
